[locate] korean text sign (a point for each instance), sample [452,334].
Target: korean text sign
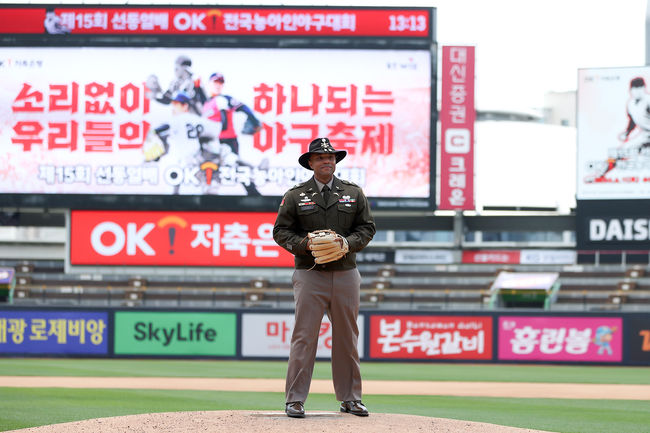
[269,335]
[174,239]
[175,333]
[217,21]
[457,117]
[106,127]
[580,339]
[54,332]
[431,337]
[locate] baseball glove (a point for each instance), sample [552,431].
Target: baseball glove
[153,147]
[153,85]
[326,246]
[251,126]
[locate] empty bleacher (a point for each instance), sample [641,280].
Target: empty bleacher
[393,287]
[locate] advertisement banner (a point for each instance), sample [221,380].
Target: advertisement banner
[638,336]
[269,335]
[607,225]
[161,20]
[491,256]
[53,332]
[547,257]
[431,337]
[159,238]
[567,339]
[175,333]
[457,117]
[373,256]
[184,122]
[613,134]
[424,257]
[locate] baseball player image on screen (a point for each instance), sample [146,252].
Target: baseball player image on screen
[184,81]
[222,108]
[633,151]
[191,157]
[181,146]
[637,133]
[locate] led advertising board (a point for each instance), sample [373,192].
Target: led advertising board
[159,238]
[188,119]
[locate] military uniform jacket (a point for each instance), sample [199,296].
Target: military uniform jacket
[303,210]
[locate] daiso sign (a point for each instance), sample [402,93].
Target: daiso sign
[144,238]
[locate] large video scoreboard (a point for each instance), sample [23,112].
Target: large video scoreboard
[89,104]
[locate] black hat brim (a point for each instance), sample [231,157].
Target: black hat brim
[304,158]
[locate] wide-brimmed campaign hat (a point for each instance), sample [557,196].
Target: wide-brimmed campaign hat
[320,145]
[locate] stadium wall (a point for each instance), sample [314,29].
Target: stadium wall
[519,336]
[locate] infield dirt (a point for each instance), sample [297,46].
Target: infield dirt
[329,422]
[271,422]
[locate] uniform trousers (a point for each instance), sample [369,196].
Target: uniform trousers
[317,292]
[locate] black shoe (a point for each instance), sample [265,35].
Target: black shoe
[355,407]
[295,409]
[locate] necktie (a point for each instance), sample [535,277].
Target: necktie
[326,193]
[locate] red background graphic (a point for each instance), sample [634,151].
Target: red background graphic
[461,326]
[170,239]
[212,21]
[492,256]
[22,20]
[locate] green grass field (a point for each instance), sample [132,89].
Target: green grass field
[29,407]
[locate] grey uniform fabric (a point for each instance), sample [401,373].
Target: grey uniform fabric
[331,288]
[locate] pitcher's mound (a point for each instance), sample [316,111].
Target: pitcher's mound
[271,422]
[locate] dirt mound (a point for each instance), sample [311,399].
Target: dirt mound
[270,422]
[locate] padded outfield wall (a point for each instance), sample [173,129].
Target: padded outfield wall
[521,336]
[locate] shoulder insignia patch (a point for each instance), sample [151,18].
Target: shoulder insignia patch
[347,182]
[296,186]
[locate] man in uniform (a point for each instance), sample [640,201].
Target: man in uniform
[324,202]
